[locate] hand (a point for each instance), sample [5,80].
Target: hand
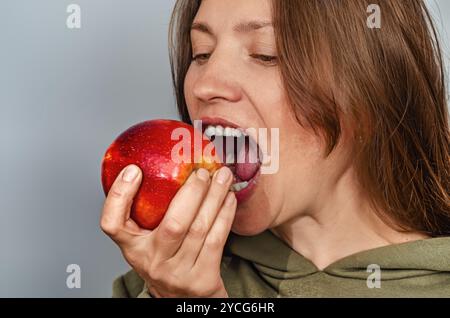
[182,256]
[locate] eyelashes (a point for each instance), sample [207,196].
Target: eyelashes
[267,60]
[202,57]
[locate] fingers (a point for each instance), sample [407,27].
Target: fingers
[181,212]
[211,253]
[116,209]
[205,218]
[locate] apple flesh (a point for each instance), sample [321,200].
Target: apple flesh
[149,145]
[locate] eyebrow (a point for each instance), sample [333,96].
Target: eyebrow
[242,27]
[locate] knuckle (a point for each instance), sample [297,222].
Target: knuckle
[214,242]
[198,229]
[117,193]
[155,274]
[132,258]
[220,186]
[108,226]
[173,229]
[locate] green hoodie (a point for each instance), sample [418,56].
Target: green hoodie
[265,266]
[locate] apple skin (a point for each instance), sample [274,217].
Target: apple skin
[149,146]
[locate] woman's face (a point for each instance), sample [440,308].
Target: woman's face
[234,79]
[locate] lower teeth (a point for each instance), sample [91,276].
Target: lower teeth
[239,186]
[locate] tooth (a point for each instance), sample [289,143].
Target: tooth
[228,132]
[239,186]
[219,130]
[230,158]
[237,133]
[210,131]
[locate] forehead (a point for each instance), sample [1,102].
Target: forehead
[229,14]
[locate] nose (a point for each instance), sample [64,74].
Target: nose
[218,80]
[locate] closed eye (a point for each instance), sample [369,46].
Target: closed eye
[265,59]
[201,57]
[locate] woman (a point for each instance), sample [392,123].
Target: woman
[360,204]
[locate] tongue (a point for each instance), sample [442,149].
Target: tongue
[247,165]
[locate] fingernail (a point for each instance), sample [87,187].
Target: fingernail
[203,174]
[229,201]
[130,173]
[223,175]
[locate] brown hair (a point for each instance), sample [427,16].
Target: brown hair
[387,84]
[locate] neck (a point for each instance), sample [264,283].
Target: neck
[341,225]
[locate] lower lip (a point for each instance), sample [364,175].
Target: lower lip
[245,194]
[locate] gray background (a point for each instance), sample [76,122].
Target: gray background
[64,95]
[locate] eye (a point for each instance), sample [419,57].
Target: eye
[266,59]
[201,58]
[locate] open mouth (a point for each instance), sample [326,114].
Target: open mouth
[238,151]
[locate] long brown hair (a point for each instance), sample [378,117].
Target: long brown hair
[388,84]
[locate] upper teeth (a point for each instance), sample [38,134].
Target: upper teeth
[220,131]
[229,158]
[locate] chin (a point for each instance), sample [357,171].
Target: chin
[256,214]
[252,217]
[246,229]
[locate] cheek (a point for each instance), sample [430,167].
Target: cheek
[270,96]
[299,158]
[188,91]
[301,167]
[298,144]
[301,149]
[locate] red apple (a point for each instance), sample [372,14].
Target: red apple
[151,146]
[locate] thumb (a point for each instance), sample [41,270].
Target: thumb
[116,209]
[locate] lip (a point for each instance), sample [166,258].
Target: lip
[218,121]
[244,194]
